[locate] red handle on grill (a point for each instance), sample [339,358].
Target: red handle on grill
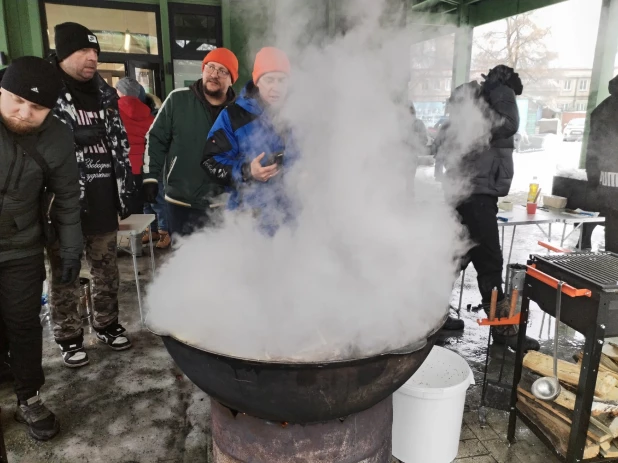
[553,282]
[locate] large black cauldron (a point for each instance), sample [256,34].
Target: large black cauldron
[298,392]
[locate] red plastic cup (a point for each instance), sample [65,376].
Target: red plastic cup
[531,207]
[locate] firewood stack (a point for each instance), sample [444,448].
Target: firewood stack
[555,418]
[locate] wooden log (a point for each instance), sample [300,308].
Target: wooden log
[594,432]
[606,364]
[554,428]
[609,363]
[605,445]
[613,427]
[611,423]
[566,399]
[612,452]
[611,350]
[598,424]
[568,372]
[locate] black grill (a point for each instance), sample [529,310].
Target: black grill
[592,311]
[600,269]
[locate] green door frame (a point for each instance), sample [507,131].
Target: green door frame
[603,67]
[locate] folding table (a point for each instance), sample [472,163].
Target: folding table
[136,224]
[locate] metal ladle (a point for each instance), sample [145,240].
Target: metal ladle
[549,388]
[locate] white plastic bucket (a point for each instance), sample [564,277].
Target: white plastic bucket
[428,409]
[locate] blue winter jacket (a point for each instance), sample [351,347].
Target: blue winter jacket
[242,132]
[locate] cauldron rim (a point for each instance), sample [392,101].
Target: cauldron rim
[408,349]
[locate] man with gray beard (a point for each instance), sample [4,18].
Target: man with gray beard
[36,154]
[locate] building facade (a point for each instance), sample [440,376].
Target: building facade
[159,42]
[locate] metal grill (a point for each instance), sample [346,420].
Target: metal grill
[600,268]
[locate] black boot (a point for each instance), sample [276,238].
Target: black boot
[6,375]
[453,324]
[42,423]
[511,341]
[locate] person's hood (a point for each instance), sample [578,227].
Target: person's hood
[134,108]
[198,90]
[250,100]
[613,86]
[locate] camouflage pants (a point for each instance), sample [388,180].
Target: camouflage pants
[63,300]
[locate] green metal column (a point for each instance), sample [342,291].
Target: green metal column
[603,67]
[226,19]
[35,34]
[167,46]
[462,58]
[4,37]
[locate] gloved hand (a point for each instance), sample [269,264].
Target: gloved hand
[150,189]
[89,135]
[70,271]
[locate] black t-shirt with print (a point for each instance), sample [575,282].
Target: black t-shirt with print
[100,181]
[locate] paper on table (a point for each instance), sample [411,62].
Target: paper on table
[581,213]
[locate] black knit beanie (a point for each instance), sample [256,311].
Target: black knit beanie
[33,79]
[71,37]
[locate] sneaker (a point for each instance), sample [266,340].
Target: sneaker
[42,423]
[73,353]
[453,324]
[155,237]
[164,240]
[112,335]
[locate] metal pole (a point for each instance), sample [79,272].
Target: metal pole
[152,259]
[511,249]
[139,293]
[463,277]
[563,233]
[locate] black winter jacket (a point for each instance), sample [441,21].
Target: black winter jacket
[602,154]
[21,180]
[483,157]
[117,141]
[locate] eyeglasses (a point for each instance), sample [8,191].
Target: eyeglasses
[220,71]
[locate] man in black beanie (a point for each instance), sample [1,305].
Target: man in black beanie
[486,167]
[36,153]
[90,108]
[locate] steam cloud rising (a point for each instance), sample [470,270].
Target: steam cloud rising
[367,268]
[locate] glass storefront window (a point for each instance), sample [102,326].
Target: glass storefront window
[431,73]
[186,72]
[111,72]
[118,31]
[194,33]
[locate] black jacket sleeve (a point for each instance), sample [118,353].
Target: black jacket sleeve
[64,183]
[598,129]
[504,112]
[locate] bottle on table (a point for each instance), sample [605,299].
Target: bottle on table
[534,188]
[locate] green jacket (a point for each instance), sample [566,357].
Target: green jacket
[21,183]
[175,145]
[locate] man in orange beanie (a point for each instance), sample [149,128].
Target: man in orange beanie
[250,144]
[176,141]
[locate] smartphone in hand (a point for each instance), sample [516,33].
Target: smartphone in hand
[276,158]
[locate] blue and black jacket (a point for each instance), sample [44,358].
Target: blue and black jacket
[242,132]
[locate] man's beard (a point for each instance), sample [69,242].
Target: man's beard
[18,127]
[213,93]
